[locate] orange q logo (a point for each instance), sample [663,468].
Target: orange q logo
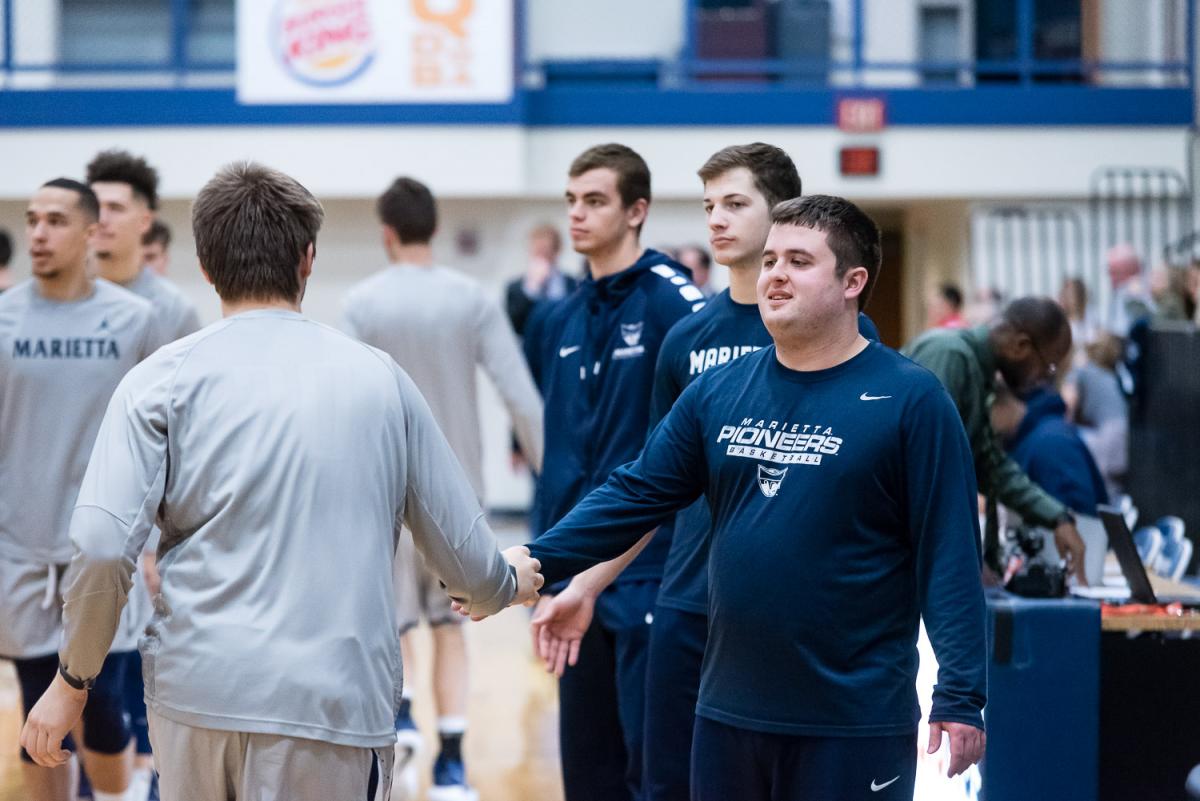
[324,42]
[441,47]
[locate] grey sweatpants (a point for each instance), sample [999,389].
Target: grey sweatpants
[196,764]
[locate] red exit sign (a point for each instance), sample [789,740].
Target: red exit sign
[861,114]
[859,161]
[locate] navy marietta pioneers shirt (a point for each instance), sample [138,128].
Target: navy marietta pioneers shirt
[592,355]
[717,334]
[843,505]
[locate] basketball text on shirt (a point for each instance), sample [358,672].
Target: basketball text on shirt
[779,442]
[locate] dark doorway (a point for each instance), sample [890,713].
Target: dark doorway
[887,300]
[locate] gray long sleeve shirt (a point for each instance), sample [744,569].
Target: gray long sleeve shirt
[440,326]
[281,457]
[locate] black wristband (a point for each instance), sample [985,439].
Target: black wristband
[1065,517]
[78,684]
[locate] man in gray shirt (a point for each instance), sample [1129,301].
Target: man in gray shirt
[128,191]
[66,340]
[279,456]
[127,188]
[440,326]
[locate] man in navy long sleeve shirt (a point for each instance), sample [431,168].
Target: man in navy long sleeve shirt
[593,356]
[842,493]
[741,185]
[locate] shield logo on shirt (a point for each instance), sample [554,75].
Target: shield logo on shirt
[769,479]
[632,333]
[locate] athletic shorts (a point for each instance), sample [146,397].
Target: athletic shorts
[30,608]
[198,764]
[419,593]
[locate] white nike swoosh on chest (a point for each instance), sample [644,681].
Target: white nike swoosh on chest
[867,397]
[875,788]
[565,352]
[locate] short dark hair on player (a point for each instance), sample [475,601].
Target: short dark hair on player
[5,248]
[1041,319]
[851,234]
[159,232]
[88,202]
[952,295]
[122,167]
[774,172]
[252,227]
[633,176]
[408,208]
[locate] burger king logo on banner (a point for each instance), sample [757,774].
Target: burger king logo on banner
[324,42]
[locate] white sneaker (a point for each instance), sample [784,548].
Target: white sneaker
[453,792]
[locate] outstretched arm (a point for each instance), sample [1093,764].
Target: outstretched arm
[448,526]
[669,474]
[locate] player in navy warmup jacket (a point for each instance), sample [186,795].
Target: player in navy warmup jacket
[593,356]
[842,492]
[741,184]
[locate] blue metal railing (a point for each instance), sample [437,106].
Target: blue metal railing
[179,62]
[692,68]
[1024,65]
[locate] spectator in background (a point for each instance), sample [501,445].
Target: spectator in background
[6,279]
[696,259]
[1168,289]
[1193,287]
[1048,448]
[156,245]
[1131,300]
[1073,297]
[1098,406]
[1025,343]
[543,279]
[943,307]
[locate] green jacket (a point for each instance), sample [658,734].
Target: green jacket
[964,363]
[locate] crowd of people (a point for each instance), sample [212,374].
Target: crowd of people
[745,502]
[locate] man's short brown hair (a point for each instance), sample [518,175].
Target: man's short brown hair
[408,208]
[253,226]
[774,172]
[633,176]
[851,234]
[158,232]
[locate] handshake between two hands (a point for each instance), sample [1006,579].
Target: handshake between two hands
[529,580]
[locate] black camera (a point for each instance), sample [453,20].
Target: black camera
[1033,576]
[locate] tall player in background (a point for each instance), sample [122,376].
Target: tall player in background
[741,185]
[593,354]
[128,191]
[843,499]
[127,188]
[66,340]
[440,326]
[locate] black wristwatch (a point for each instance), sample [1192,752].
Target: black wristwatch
[1065,517]
[77,683]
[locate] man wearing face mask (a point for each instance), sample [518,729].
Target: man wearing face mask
[1025,344]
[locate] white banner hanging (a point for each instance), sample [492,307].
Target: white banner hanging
[375,51]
